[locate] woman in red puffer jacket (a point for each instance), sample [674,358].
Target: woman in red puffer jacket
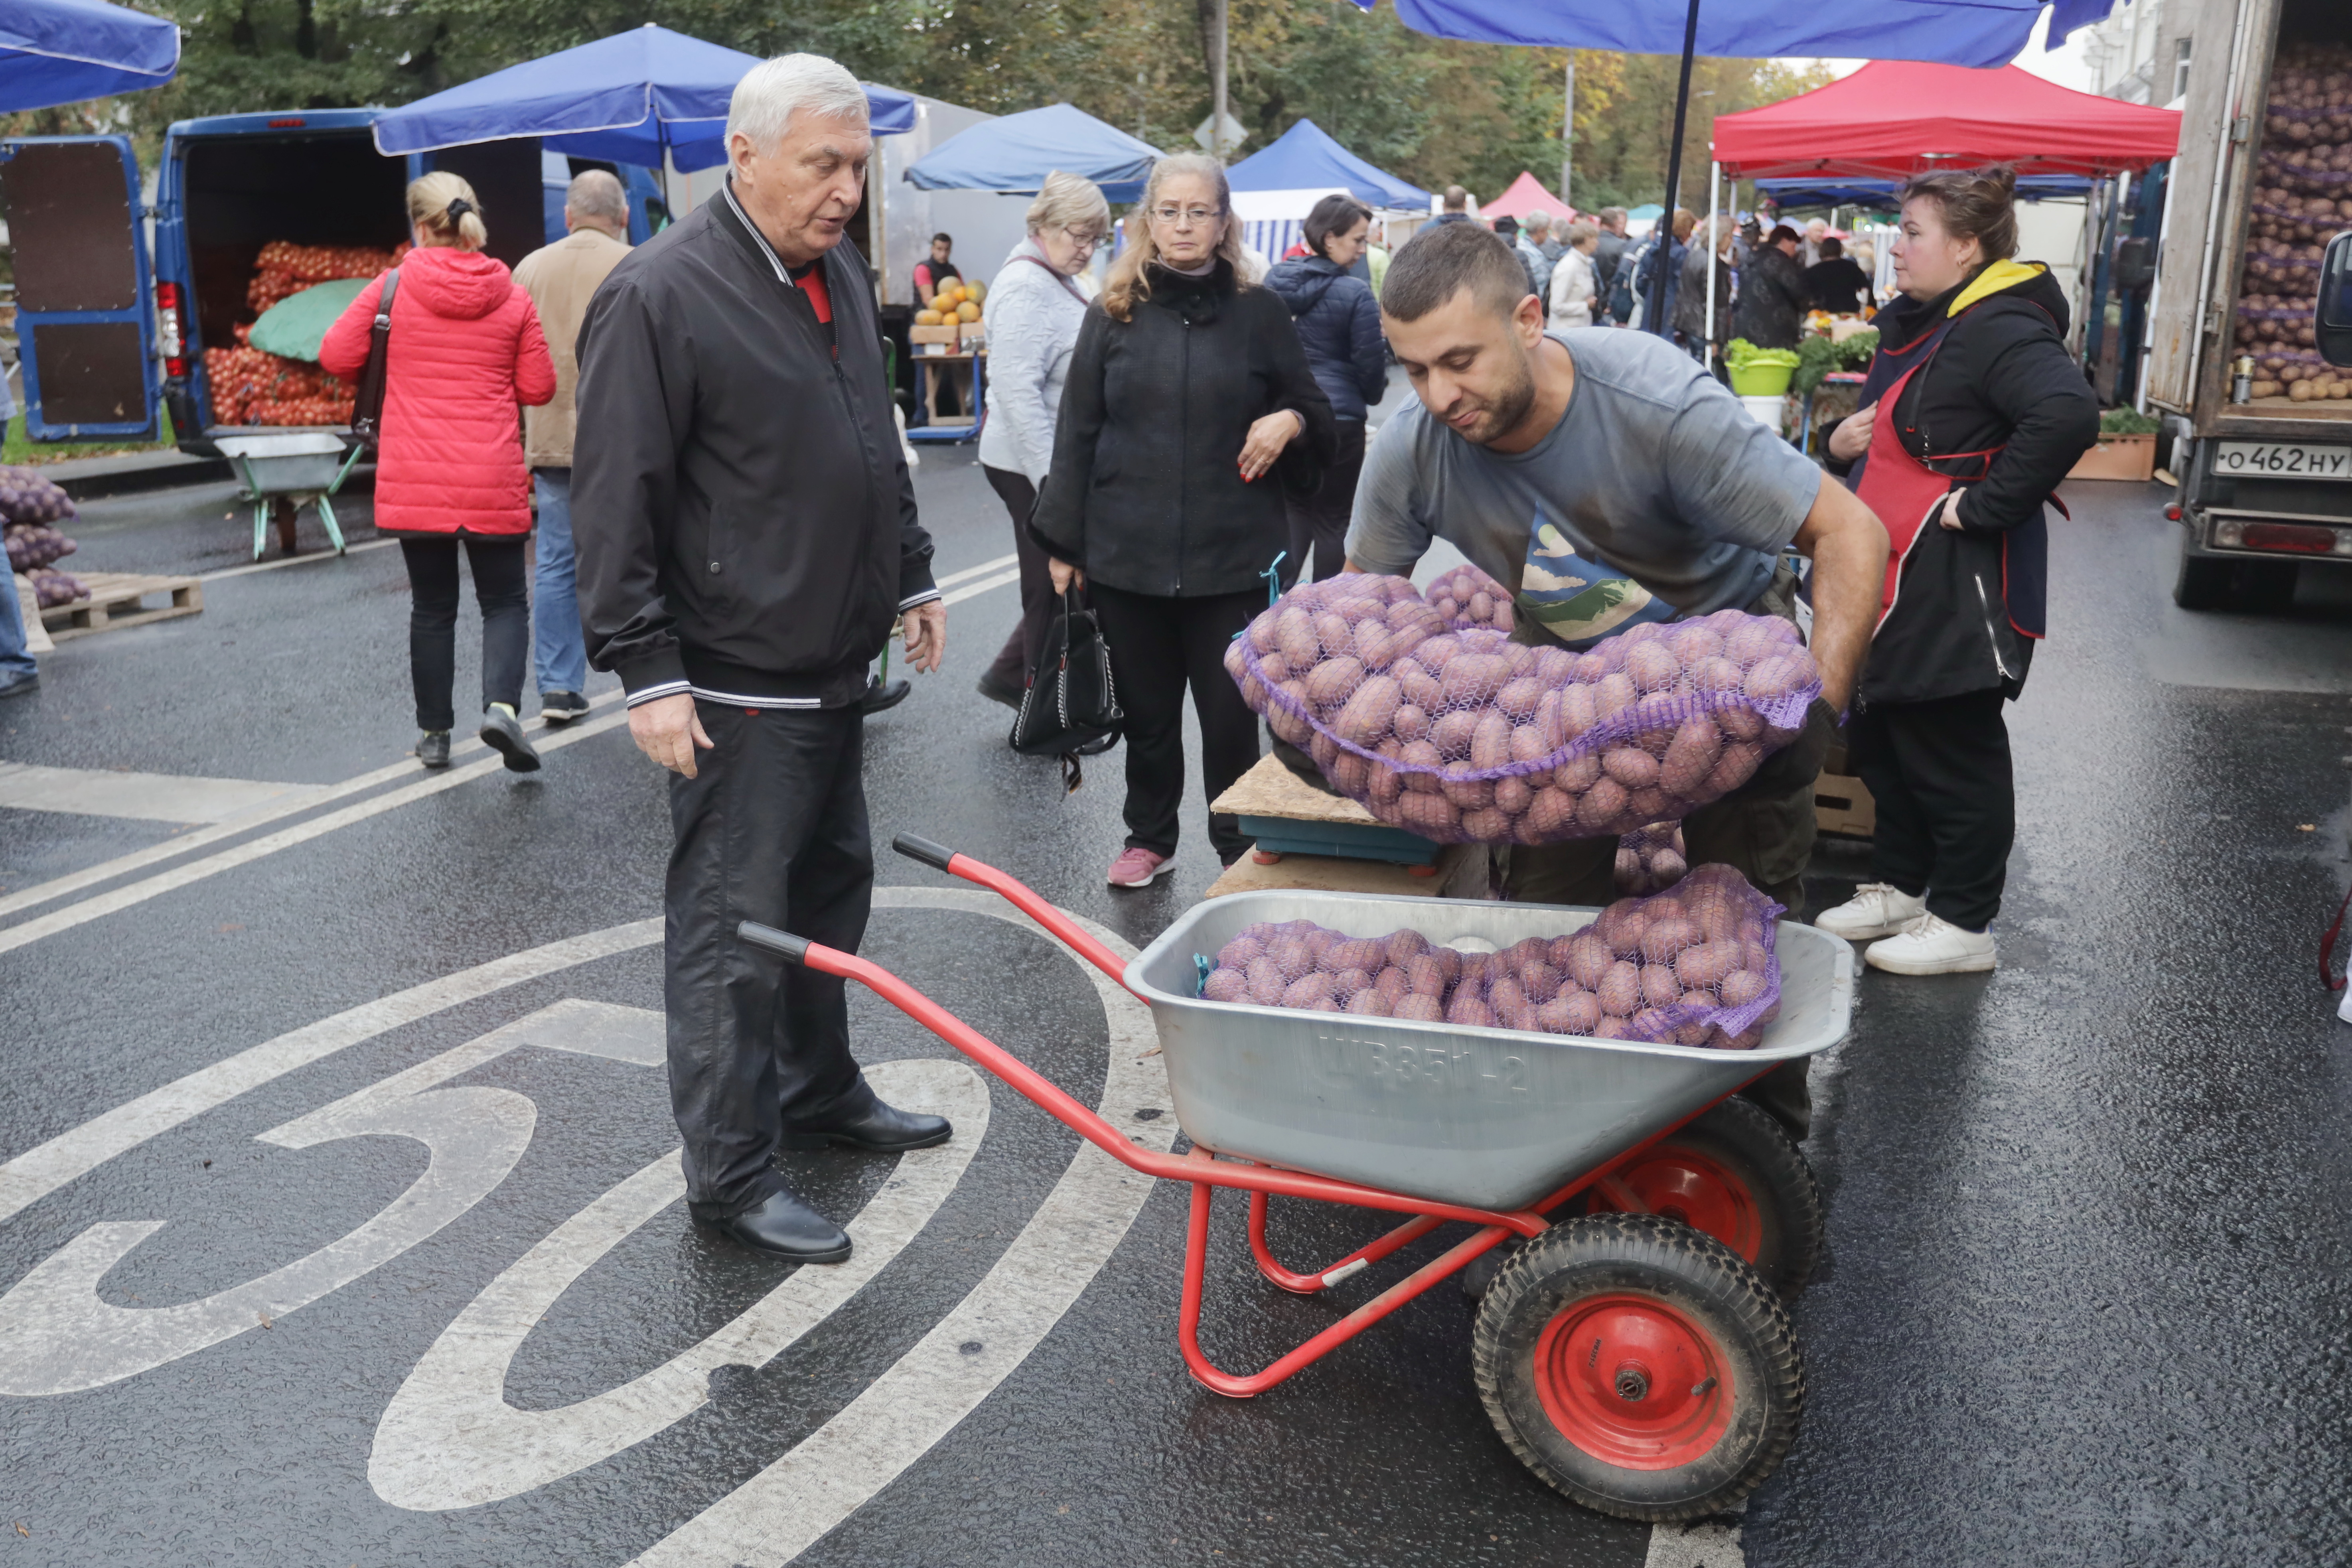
[466,348]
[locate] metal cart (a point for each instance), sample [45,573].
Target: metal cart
[281,472]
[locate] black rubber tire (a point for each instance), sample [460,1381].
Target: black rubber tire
[2266,586]
[1702,1281]
[1751,1147]
[2203,582]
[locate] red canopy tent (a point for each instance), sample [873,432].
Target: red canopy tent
[1524,196]
[1894,118]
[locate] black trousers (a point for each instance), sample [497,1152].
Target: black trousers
[1159,646]
[1319,521]
[771,830]
[1039,602]
[1947,800]
[500,587]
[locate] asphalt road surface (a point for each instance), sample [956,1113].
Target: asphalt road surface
[337,1218]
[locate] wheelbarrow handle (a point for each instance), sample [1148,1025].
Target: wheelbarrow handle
[1006,886]
[794,948]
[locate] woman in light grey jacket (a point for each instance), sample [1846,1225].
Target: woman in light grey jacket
[1035,307]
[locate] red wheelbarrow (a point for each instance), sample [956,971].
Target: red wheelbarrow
[1632,1348]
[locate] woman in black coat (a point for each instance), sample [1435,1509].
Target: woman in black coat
[1188,413]
[1340,327]
[1972,414]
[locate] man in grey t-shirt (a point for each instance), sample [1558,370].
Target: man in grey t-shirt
[1605,479]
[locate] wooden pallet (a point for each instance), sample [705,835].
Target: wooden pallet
[117,599]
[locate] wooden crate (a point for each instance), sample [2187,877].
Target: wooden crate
[931,334]
[117,599]
[1842,806]
[2118,458]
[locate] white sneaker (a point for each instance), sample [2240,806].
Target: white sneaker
[1875,909]
[1932,946]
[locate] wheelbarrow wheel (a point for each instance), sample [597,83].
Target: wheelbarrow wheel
[1639,1367]
[1736,1174]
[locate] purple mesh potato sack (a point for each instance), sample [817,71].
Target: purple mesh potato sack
[1651,859]
[1693,967]
[1470,600]
[1465,737]
[26,497]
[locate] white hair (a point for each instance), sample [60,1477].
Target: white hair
[597,193]
[1538,220]
[773,90]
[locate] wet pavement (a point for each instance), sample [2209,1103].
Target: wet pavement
[2086,1296]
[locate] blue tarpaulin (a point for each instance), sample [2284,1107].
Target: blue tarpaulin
[1014,152]
[1880,194]
[1306,158]
[1954,32]
[624,99]
[2065,15]
[63,52]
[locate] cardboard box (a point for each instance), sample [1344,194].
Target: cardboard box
[931,334]
[2118,458]
[1842,806]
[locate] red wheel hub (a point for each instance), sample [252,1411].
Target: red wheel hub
[1682,1183]
[1633,1382]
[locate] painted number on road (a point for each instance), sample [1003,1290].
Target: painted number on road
[2296,462]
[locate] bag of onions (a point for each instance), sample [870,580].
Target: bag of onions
[1467,737]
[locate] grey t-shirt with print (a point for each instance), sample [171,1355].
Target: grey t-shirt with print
[1656,494]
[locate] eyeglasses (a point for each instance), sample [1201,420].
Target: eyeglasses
[1084,241]
[1185,217]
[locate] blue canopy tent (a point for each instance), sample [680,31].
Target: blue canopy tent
[1797,192]
[1953,32]
[1014,152]
[628,98]
[63,52]
[1305,157]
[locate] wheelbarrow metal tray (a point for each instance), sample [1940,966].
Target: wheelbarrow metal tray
[1491,1119]
[288,463]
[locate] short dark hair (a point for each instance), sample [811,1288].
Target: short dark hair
[1832,248]
[1445,258]
[1780,231]
[1335,214]
[947,240]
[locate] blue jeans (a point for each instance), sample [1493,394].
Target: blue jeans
[14,659]
[559,651]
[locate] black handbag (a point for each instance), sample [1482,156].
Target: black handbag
[367,402]
[1070,709]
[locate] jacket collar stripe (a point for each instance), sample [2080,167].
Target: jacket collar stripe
[783,275]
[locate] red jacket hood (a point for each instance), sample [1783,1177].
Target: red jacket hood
[463,284]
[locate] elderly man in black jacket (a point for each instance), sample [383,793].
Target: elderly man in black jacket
[1773,294]
[747,538]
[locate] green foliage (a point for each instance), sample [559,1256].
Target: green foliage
[1739,352]
[2128,422]
[1817,356]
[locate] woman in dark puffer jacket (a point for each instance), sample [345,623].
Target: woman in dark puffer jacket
[466,348]
[1187,414]
[1339,326]
[1972,414]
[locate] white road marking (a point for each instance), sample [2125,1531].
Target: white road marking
[973,590]
[154,797]
[122,865]
[449,1440]
[1707,1544]
[44,1168]
[777,1514]
[253,849]
[637,1036]
[982,570]
[251,567]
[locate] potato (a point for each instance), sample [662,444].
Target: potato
[1266,983]
[1382,782]
[1754,640]
[1294,638]
[1225,985]
[1613,695]
[1393,985]
[1405,946]
[1571,1012]
[1652,667]
[1578,774]
[1620,991]
[1648,805]
[1703,965]
[1690,757]
[1601,805]
[1470,680]
[1330,683]
[1487,825]
[1490,741]
[1519,695]
[1630,766]
[1552,665]
[1505,996]
[1262,635]
[1369,1003]
[1324,750]
[1693,641]
[1740,986]
[1512,796]
[1731,770]
[1652,1024]
[1453,733]
[1451,962]
[1237,658]
[1740,724]
[1292,957]
[1374,648]
[1578,712]
[1437,653]
[1274,669]
[1548,816]
[1659,985]
[1419,1009]
[1666,935]
[1540,979]
[1431,815]
[1355,953]
[1345,982]
[1334,633]
[1320,939]
[1421,760]
[1421,688]
[1307,990]
[1611,1028]
[1467,794]
[1529,743]
[1369,712]
[1774,678]
[1409,723]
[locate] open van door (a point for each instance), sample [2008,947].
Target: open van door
[84,323]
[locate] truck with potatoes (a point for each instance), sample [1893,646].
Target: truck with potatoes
[2260,422]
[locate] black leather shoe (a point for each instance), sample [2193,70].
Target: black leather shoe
[882,1128]
[433,748]
[786,1227]
[883,695]
[1000,687]
[502,732]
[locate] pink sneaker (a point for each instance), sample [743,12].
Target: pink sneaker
[1139,867]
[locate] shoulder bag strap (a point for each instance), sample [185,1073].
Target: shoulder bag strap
[367,405]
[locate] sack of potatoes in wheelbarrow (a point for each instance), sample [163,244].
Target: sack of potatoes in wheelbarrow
[1695,966]
[1465,737]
